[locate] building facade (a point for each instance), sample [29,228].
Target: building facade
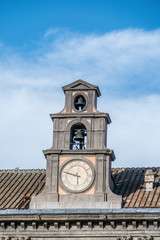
[79,196]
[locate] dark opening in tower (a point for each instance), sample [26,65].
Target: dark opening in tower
[78,139]
[80,102]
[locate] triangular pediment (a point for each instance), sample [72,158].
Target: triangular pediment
[81,85]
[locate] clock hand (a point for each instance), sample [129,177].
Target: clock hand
[75,175]
[77,178]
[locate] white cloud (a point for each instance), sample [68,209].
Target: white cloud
[51,32]
[26,128]
[125,65]
[134,133]
[123,58]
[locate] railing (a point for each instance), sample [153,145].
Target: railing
[75,146]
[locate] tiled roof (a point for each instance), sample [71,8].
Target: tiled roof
[17,187]
[129,182]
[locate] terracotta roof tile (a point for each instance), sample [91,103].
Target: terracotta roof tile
[17,187]
[129,182]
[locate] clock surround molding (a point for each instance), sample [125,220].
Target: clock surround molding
[86,188]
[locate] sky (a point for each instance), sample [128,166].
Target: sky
[45,45]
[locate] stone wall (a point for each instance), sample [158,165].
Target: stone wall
[78,225]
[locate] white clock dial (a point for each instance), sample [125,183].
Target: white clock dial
[76,175]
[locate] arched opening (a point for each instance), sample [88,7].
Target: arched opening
[80,102]
[78,136]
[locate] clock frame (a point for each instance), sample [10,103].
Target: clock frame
[77,175]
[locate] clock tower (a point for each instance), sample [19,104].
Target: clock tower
[78,171]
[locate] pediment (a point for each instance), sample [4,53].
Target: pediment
[81,85]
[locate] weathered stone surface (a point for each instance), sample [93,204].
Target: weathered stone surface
[82,224]
[95,154]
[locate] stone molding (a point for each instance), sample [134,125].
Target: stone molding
[79,226]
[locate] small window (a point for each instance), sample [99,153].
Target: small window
[80,102]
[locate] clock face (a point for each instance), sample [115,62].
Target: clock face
[77,175]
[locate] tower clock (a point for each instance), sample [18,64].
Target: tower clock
[78,173]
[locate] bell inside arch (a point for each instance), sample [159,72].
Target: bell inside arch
[80,102]
[79,136]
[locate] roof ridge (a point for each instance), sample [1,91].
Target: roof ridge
[23,170]
[121,168]
[114,168]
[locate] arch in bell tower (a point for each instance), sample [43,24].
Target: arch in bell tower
[85,131]
[78,136]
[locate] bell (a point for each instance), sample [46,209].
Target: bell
[79,136]
[80,102]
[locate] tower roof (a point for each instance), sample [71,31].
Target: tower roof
[81,85]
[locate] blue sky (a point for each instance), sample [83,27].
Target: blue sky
[45,45]
[24,22]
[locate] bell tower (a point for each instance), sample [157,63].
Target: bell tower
[78,171]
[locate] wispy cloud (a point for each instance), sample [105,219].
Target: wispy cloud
[52,32]
[125,59]
[134,133]
[125,65]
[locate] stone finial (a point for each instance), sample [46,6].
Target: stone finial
[149,179]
